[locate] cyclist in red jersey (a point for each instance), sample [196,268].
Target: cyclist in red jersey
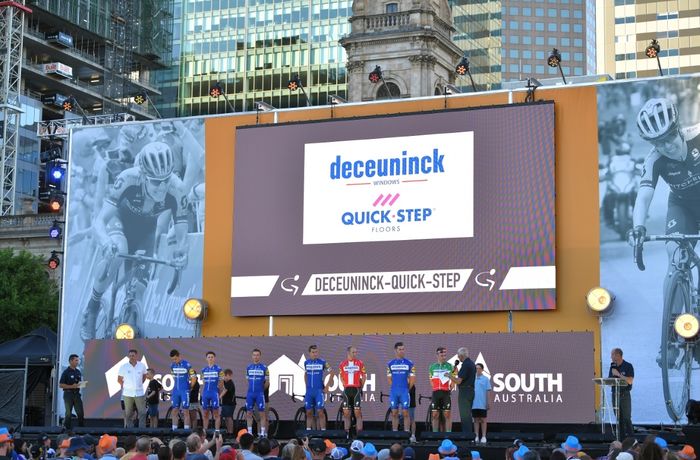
[352,375]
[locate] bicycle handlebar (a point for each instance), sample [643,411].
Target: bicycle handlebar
[336,395]
[421,398]
[675,237]
[174,282]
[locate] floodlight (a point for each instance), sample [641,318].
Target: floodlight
[554,60]
[334,99]
[195,309]
[376,75]
[124,331]
[687,326]
[54,261]
[653,51]
[55,230]
[599,300]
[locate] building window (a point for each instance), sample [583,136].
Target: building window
[527,40]
[382,92]
[552,27]
[539,55]
[527,11]
[552,12]
[527,25]
[539,68]
[565,27]
[564,13]
[527,54]
[539,12]
[513,25]
[539,26]
[392,7]
[514,39]
[578,28]
[552,41]
[565,41]
[539,40]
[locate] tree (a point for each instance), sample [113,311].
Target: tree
[28,297]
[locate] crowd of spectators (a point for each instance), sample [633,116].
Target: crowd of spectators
[197,446]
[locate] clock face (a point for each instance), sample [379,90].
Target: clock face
[193,308]
[598,299]
[124,331]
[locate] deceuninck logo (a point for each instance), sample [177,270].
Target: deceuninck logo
[389,189]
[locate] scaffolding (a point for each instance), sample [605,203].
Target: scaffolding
[119,53]
[11,29]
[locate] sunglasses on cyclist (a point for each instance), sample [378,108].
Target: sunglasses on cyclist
[157,182]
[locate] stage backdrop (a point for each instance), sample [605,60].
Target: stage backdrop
[636,322]
[537,378]
[423,212]
[104,175]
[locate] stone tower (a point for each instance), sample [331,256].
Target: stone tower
[411,40]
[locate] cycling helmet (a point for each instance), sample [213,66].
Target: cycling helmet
[658,117]
[156,160]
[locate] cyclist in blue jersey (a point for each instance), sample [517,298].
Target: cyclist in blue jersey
[401,373]
[212,378]
[314,370]
[183,378]
[258,379]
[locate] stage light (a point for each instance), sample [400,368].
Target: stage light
[532,85]
[69,104]
[55,230]
[54,261]
[195,309]
[687,326]
[55,202]
[653,51]
[599,300]
[124,331]
[376,75]
[554,60]
[463,67]
[295,83]
[140,99]
[216,90]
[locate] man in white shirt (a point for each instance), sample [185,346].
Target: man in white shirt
[132,374]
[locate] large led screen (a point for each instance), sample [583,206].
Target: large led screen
[439,211]
[535,378]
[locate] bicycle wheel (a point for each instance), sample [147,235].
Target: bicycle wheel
[675,360]
[240,419]
[429,420]
[273,419]
[387,420]
[339,422]
[300,419]
[168,416]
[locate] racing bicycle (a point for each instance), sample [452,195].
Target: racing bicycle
[272,418]
[682,296]
[108,319]
[300,415]
[195,414]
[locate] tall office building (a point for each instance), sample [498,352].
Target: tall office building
[478,33]
[626,27]
[252,49]
[531,28]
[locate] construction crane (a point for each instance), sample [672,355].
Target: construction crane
[11,30]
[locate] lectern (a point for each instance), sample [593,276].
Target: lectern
[609,407]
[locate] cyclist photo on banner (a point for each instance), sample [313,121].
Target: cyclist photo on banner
[650,224]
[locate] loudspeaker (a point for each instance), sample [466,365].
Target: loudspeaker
[510,436]
[324,434]
[50,430]
[439,436]
[396,435]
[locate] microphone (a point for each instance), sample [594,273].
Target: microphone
[456,362]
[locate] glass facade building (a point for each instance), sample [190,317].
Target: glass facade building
[531,28]
[627,27]
[252,49]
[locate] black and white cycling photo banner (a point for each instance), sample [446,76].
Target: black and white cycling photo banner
[134,230]
[649,187]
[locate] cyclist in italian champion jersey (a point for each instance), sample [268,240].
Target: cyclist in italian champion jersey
[213,383]
[315,370]
[442,386]
[258,379]
[352,376]
[127,224]
[401,373]
[675,157]
[183,378]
